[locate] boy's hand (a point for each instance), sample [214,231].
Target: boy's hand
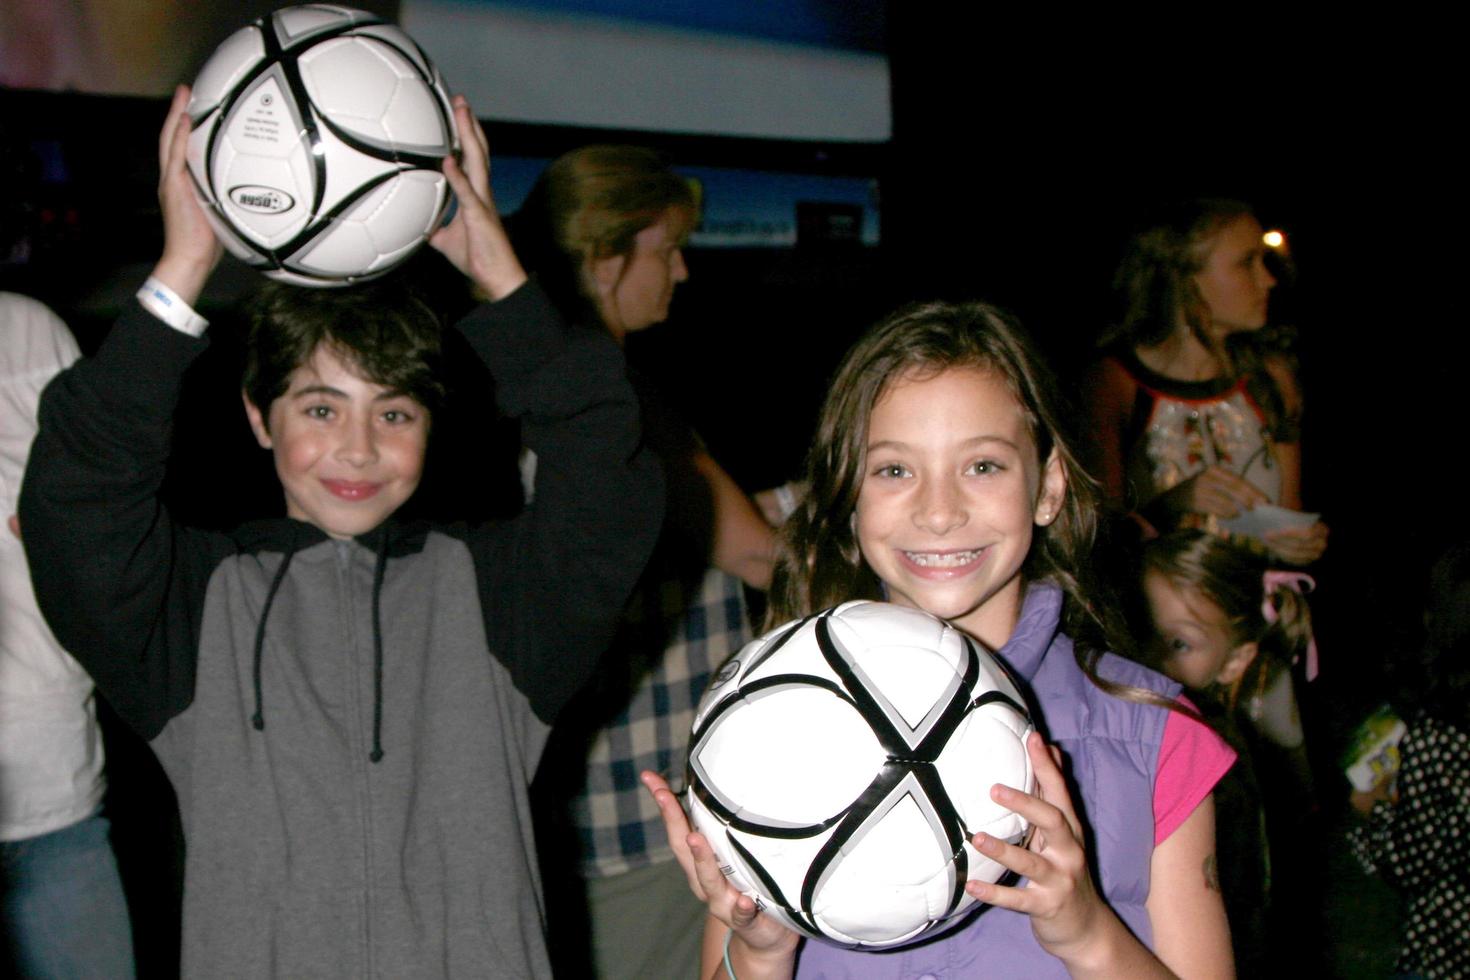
[475,240]
[190,249]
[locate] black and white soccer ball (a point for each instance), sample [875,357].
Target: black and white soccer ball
[318,134]
[840,764]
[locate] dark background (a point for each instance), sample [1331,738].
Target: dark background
[1021,154]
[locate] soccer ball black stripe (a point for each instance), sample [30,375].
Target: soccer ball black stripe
[298,245]
[770,648]
[890,780]
[698,779]
[771,888]
[892,741]
[281,55]
[1000,697]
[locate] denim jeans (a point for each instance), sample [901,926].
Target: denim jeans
[62,911]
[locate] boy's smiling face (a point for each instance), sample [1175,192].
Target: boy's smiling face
[349,452]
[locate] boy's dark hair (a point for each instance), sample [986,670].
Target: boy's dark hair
[384,331]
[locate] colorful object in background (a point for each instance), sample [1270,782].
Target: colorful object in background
[1372,757]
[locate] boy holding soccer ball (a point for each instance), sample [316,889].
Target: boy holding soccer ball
[350,707]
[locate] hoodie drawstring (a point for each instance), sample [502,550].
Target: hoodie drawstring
[258,719]
[377,754]
[379,570]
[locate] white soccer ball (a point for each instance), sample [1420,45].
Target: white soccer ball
[318,133]
[840,765]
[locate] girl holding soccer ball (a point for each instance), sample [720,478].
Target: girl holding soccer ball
[940,479]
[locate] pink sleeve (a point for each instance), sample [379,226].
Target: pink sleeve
[1192,758]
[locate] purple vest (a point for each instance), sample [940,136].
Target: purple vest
[1112,752]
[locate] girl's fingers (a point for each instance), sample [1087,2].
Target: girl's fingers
[1050,783]
[676,826]
[1219,491]
[1012,857]
[736,911]
[701,866]
[1242,491]
[693,852]
[714,887]
[1017,899]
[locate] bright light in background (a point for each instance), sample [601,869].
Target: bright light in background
[1273,239]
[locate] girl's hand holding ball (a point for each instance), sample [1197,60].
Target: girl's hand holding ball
[1059,895]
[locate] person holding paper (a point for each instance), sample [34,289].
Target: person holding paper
[1194,423]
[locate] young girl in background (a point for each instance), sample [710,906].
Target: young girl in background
[1416,828]
[1191,420]
[1224,625]
[939,479]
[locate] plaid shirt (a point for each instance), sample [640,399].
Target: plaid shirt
[697,625]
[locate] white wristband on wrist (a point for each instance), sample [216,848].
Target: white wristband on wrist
[165,304]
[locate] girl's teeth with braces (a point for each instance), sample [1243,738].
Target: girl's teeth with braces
[953,559]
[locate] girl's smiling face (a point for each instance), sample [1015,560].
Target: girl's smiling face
[951,491]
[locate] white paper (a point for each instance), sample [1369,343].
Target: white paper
[1267,517]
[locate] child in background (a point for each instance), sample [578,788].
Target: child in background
[1416,832]
[1223,625]
[350,707]
[940,479]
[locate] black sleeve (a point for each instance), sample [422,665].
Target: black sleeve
[119,583]
[554,580]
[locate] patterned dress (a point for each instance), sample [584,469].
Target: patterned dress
[1421,845]
[1180,428]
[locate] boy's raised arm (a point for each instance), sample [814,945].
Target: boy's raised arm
[553,581]
[109,567]
[190,248]
[475,241]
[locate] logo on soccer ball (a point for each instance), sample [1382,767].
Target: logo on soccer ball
[262,200]
[318,132]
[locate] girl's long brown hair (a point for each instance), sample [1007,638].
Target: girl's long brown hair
[820,564]
[1156,290]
